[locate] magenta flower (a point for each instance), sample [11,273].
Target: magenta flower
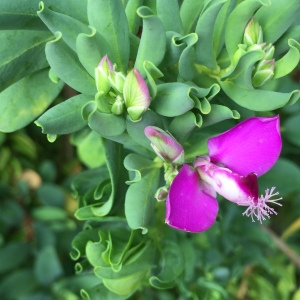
[236,158]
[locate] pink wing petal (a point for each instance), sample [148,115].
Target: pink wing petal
[251,146]
[188,207]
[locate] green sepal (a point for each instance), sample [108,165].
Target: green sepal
[153,41]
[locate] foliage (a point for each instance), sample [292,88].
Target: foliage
[206,65]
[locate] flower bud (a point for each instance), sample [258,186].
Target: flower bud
[263,73]
[165,145]
[162,193]
[269,52]
[102,74]
[136,95]
[117,80]
[118,106]
[253,33]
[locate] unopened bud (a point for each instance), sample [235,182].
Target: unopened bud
[136,95]
[253,33]
[102,74]
[263,73]
[269,52]
[117,80]
[165,145]
[118,106]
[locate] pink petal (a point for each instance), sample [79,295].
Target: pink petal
[232,186]
[252,146]
[188,206]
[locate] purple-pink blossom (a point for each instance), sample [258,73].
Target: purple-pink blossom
[235,159]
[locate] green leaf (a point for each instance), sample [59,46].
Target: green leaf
[136,129]
[276,18]
[133,18]
[114,160]
[20,15]
[65,117]
[219,113]
[25,100]
[22,53]
[168,13]
[23,279]
[173,99]
[220,24]
[80,241]
[289,61]
[291,129]
[127,285]
[69,27]
[138,166]
[153,41]
[109,19]
[51,194]
[13,255]
[140,201]
[47,265]
[204,30]
[237,22]
[106,124]
[152,73]
[241,73]
[189,13]
[49,213]
[182,126]
[77,11]
[100,292]
[66,65]
[90,49]
[256,99]
[186,63]
[90,149]
[287,182]
[172,266]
